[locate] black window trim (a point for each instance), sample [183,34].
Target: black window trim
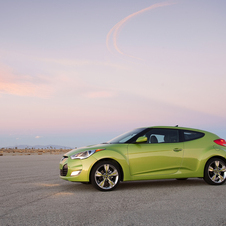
[180,131]
[142,133]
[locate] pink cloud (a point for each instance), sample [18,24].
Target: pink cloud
[23,85]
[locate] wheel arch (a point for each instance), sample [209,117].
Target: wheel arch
[112,160]
[216,156]
[212,157]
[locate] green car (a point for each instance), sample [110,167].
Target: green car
[148,153]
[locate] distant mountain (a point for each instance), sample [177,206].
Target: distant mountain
[39,147]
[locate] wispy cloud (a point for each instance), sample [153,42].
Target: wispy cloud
[23,85]
[115,30]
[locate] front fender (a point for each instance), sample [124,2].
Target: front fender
[117,155]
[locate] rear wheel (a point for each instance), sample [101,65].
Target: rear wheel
[215,171]
[105,176]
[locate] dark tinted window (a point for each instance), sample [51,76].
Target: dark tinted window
[163,136]
[192,135]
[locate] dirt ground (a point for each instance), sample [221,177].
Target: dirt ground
[15,151]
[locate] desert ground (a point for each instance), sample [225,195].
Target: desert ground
[31,193]
[31,151]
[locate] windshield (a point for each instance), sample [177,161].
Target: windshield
[125,137]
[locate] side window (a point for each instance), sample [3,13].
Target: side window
[192,135]
[163,136]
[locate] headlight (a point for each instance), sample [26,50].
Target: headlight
[85,154]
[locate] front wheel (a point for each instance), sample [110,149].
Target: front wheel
[215,171]
[105,176]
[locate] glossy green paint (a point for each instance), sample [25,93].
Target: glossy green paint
[154,159]
[141,139]
[115,152]
[144,161]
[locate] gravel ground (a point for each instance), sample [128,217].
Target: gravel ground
[31,193]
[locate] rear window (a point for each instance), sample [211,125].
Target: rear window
[192,135]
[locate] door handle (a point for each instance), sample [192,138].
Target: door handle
[177,149]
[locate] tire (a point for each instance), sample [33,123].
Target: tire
[215,171]
[105,176]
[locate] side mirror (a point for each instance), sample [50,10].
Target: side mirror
[141,139]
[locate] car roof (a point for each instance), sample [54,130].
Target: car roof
[177,127]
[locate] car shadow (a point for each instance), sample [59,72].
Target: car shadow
[137,185]
[130,185]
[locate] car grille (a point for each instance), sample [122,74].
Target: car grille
[63,171]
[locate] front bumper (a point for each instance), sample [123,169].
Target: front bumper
[83,167]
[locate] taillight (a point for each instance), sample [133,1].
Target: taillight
[221,142]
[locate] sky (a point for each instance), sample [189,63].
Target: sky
[76,73]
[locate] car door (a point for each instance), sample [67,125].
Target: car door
[161,155]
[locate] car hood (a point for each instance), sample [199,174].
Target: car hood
[90,147]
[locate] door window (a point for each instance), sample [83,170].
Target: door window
[163,136]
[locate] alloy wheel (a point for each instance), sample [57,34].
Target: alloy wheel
[106,176]
[217,171]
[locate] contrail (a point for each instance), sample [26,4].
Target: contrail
[115,30]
